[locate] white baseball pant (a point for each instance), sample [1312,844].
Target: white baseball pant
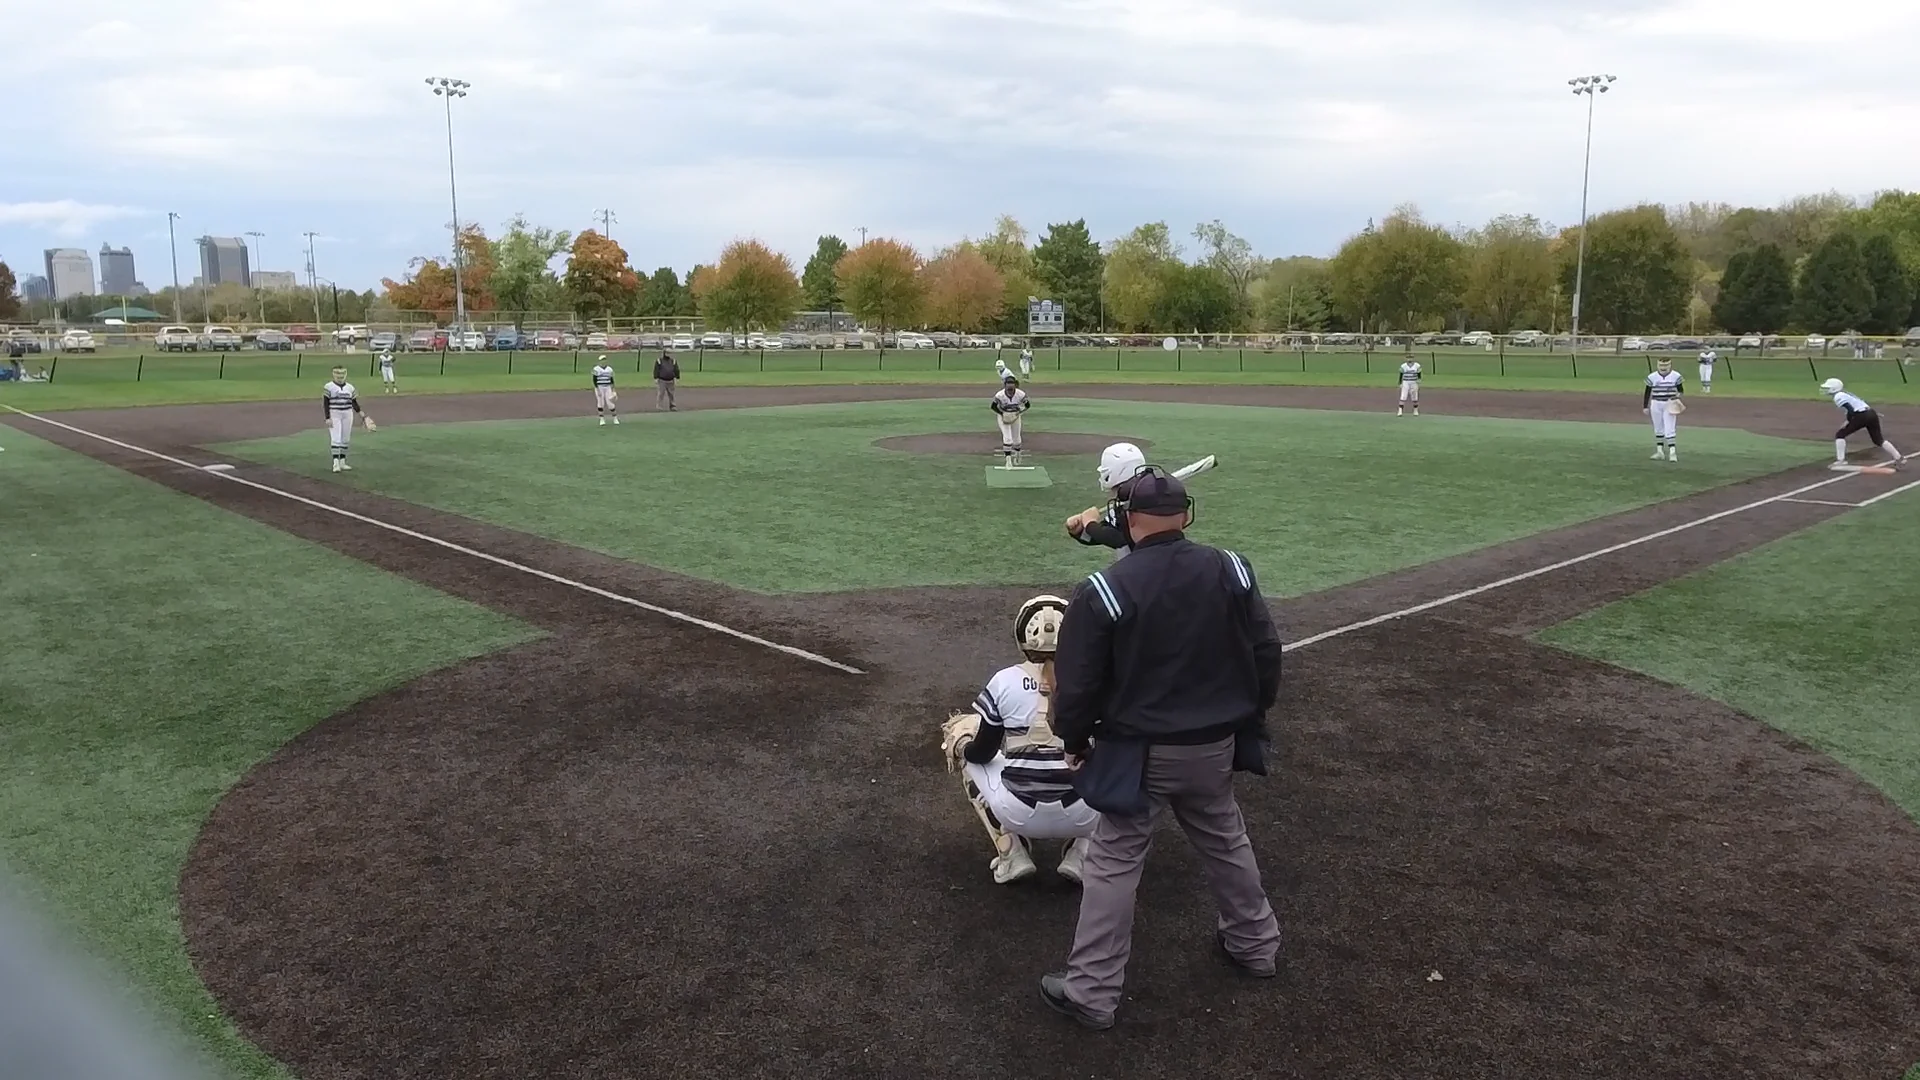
[386,374]
[603,398]
[1410,391]
[1706,375]
[1009,430]
[1045,821]
[1665,424]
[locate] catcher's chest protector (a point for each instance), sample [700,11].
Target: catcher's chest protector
[1039,733]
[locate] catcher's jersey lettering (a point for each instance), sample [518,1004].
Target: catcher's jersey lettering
[1015,402]
[339,399]
[1410,372]
[1850,404]
[1665,387]
[1035,771]
[602,375]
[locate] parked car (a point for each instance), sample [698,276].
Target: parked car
[549,340]
[274,341]
[595,340]
[427,340]
[1528,339]
[1816,341]
[384,341]
[77,341]
[772,343]
[1841,341]
[1476,338]
[1633,344]
[176,339]
[1748,341]
[1687,344]
[1913,336]
[470,341]
[303,335]
[716,341]
[649,341]
[351,334]
[220,339]
[682,343]
[509,338]
[795,341]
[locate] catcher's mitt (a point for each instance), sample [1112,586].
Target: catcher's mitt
[1676,406]
[367,422]
[956,733]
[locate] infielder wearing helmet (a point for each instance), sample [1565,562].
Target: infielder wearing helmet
[1015,769]
[1860,417]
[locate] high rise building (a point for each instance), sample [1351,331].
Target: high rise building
[70,271]
[116,271]
[223,261]
[35,287]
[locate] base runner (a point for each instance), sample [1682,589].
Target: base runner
[605,400]
[1014,766]
[1660,400]
[1007,406]
[1860,417]
[340,404]
[1409,386]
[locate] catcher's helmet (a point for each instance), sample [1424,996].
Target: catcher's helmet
[1832,387]
[1037,628]
[1119,463]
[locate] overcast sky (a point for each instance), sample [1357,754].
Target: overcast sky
[700,122]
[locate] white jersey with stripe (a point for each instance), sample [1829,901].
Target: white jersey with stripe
[339,398]
[602,375]
[1850,404]
[1410,371]
[1014,402]
[1665,387]
[386,360]
[1709,357]
[1036,766]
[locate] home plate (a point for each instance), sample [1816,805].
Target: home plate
[218,466]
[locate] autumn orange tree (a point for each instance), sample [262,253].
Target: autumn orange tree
[880,281]
[429,282]
[964,291]
[598,279]
[752,287]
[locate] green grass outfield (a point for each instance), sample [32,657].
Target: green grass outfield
[108,381]
[1813,634]
[152,649]
[798,498]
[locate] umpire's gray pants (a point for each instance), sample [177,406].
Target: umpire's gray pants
[1196,782]
[663,393]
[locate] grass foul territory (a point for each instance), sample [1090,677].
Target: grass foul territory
[154,648]
[1813,634]
[778,499]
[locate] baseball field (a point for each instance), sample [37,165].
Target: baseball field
[532,747]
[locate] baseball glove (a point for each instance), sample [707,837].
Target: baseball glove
[1676,406]
[956,733]
[613,396]
[367,422]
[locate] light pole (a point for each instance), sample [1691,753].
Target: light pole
[863,235]
[1592,86]
[313,282]
[447,90]
[174,250]
[607,218]
[253,273]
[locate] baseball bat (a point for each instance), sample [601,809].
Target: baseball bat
[1197,467]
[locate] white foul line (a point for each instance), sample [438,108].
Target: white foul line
[213,470]
[1564,563]
[1891,494]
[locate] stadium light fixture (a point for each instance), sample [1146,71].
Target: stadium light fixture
[446,90]
[1589,86]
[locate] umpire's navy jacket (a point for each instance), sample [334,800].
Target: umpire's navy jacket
[1173,644]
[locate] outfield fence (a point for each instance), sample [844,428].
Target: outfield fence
[1530,364]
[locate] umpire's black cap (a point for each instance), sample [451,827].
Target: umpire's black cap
[1157,494]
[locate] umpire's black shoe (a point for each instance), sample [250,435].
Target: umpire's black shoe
[1253,969]
[1053,991]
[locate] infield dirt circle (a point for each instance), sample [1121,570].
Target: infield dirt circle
[640,849]
[988,442]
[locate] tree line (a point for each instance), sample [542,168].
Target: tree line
[1821,263]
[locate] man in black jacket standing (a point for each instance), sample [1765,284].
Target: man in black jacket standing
[1172,647]
[666,372]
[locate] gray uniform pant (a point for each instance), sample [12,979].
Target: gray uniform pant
[1196,782]
[663,393]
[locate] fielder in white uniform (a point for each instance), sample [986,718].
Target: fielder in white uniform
[1409,386]
[387,385]
[340,404]
[1000,370]
[1658,400]
[1015,766]
[605,401]
[1860,417]
[1708,358]
[1026,362]
[1008,404]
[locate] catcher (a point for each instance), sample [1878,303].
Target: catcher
[1100,526]
[1015,768]
[340,402]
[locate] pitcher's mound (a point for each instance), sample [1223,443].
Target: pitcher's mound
[975,443]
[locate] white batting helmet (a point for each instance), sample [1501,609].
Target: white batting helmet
[1037,628]
[1119,463]
[1832,387]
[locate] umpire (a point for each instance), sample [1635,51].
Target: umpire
[1168,661]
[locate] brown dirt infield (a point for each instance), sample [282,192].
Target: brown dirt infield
[975,443]
[639,849]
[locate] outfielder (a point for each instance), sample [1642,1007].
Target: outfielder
[1026,362]
[1708,358]
[1660,400]
[1860,417]
[1008,404]
[339,403]
[605,401]
[1015,768]
[1101,526]
[1409,386]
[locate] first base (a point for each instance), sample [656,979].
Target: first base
[1019,476]
[1871,470]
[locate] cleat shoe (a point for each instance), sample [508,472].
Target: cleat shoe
[1073,862]
[1014,865]
[1659,453]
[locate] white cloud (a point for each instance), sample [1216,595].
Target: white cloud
[63,218]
